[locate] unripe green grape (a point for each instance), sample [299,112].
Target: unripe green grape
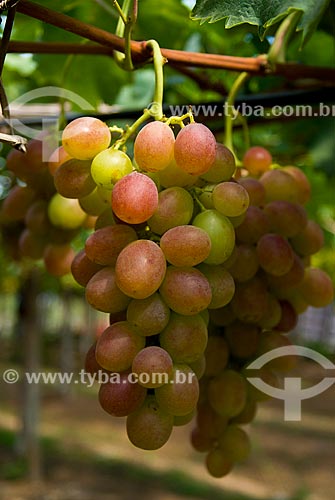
[109,166]
[221,233]
[154,147]
[175,208]
[218,465]
[93,203]
[235,444]
[227,393]
[85,137]
[230,199]
[173,176]
[65,213]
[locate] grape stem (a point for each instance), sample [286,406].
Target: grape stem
[240,80]
[159,62]
[130,130]
[124,29]
[179,120]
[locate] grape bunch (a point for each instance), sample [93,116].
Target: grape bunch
[201,267]
[36,221]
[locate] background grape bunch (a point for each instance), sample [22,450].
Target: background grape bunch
[202,268]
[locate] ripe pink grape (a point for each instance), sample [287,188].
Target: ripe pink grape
[195,149]
[154,147]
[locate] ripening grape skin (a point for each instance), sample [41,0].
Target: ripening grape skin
[103,294]
[286,218]
[200,441]
[250,300]
[31,245]
[257,160]
[218,465]
[230,199]
[289,318]
[184,338]
[134,198]
[58,259]
[109,166]
[304,191]
[91,365]
[173,176]
[185,290]
[85,137]
[217,353]
[272,340]
[195,149]
[150,316]
[17,203]
[309,241]
[255,189]
[242,339]
[180,396]
[275,254]
[291,279]
[155,363]
[93,203]
[245,264]
[317,288]
[255,224]
[73,179]
[65,213]
[272,315]
[36,218]
[117,346]
[279,185]
[149,427]
[175,208]
[154,147]
[248,413]
[106,218]
[221,233]
[199,366]
[223,167]
[104,245]
[222,316]
[268,376]
[57,158]
[185,245]
[83,269]
[235,444]
[221,283]
[227,393]
[184,420]
[209,422]
[140,269]
[121,397]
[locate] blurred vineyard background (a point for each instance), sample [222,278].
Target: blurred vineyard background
[84,453]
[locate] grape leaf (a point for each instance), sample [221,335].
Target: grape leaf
[262,13]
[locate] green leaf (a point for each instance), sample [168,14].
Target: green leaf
[262,13]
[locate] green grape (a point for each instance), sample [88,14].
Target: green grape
[173,176]
[103,294]
[154,147]
[83,269]
[184,338]
[140,269]
[180,396]
[121,397]
[183,420]
[230,199]
[235,444]
[199,366]
[150,316]
[275,255]
[185,290]
[317,288]
[242,339]
[223,167]
[134,198]
[218,465]
[257,160]
[117,346]
[109,166]
[251,300]
[185,245]
[221,283]
[309,240]
[153,366]
[65,213]
[221,233]
[217,354]
[175,208]
[58,259]
[256,190]
[150,426]
[73,179]
[227,393]
[195,149]
[85,137]
[106,218]
[287,219]
[94,204]
[104,245]
[245,264]
[255,224]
